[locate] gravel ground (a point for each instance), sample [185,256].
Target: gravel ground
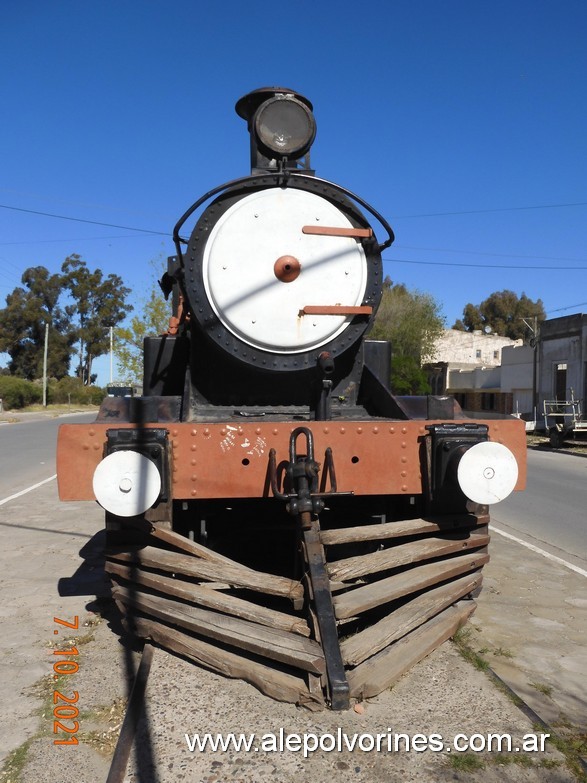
[442,695]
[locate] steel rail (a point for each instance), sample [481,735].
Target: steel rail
[134,711]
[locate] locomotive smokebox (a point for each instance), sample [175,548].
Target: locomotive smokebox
[281,125]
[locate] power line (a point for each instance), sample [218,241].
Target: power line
[570,307]
[485,253]
[485,211]
[81,220]
[482,266]
[77,239]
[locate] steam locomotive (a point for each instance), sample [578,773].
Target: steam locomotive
[273,511]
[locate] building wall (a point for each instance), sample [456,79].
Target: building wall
[517,368]
[470,348]
[495,401]
[563,346]
[473,378]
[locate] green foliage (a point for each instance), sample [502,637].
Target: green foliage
[17,392]
[99,303]
[503,313]
[407,376]
[72,390]
[22,326]
[95,304]
[153,319]
[412,321]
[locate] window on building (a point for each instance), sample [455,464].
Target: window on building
[488,401]
[496,354]
[560,382]
[478,353]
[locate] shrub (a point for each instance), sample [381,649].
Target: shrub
[18,393]
[70,389]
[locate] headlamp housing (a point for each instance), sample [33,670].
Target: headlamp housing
[281,125]
[284,127]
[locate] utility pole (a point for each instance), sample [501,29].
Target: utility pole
[111,350]
[535,373]
[45,365]
[534,344]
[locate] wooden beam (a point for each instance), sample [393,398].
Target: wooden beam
[407,527]
[280,646]
[393,587]
[236,575]
[201,595]
[385,668]
[402,621]
[413,552]
[192,547]
[279,685]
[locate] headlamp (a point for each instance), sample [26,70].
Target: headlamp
[284,127]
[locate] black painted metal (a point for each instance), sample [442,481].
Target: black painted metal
[151,443]
[275,180]
[449,441]
[322,598]
[306,503]
[207,324]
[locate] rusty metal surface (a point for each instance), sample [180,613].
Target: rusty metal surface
[231,459]
[287,269]
[334,231]
[336,310]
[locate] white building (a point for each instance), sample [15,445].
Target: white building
[470,348]
[467,365]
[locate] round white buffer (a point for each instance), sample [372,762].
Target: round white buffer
[487,472]
[126,483]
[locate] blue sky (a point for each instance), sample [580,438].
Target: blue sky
[464,122]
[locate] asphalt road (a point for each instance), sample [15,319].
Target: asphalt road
[552,512]
[27,451]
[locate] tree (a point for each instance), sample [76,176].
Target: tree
[152,320]
[98,304]
[22,326]
[503,313]
[412,321]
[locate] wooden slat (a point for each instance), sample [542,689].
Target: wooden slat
[418,578]
[405,619]
[236,575]
[279,685]
[385,668]
[280,646]
[406,527]
[414,552]
[212,599]
[192,547]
